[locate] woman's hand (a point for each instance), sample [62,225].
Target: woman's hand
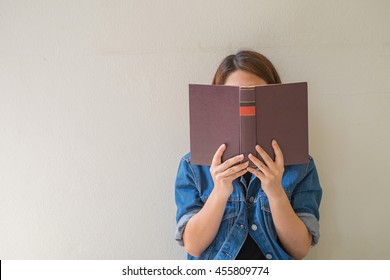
[223,174]
[202,228]
[271,173]
[292,232]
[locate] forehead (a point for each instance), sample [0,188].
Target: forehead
[243,78]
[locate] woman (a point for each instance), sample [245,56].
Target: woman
[232,211]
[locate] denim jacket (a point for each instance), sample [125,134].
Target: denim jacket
[247,212]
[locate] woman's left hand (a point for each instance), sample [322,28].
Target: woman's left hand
[270,173]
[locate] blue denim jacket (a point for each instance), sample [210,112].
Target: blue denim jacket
[247,212]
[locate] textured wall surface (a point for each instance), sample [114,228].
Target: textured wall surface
[94,117]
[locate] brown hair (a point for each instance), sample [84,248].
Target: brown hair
[250,61]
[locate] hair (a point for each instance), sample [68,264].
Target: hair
[250,61]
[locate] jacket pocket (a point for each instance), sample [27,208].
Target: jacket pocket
[231,209]
[265,203]
[228,219]
[269,223]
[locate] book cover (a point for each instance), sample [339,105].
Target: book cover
[242,117]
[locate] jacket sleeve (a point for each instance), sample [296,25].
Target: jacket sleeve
[306,200]
[187,197]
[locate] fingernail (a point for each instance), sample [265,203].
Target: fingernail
[274,142]
[250,155]
[223,145]
[258,147]
[241,156]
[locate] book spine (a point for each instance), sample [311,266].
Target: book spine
[247,122]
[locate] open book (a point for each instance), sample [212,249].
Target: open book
[242,117]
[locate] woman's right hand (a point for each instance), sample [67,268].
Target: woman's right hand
[202,228]
[224,174]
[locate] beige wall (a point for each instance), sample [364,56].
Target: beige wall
[94,117]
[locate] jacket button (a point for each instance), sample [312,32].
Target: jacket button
[254,227]
[251,199]
[268,256]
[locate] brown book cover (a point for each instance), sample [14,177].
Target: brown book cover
[242,117]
